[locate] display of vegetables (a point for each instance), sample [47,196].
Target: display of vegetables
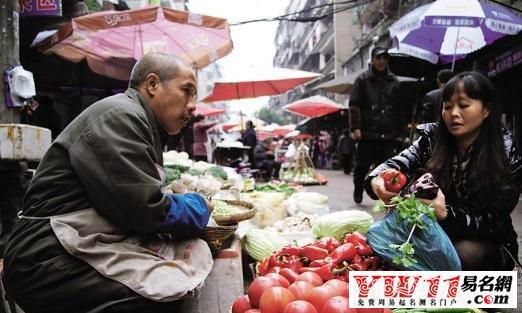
[259,243]
[310,278]
[276,187]
[293,224]
[221,208]
[337,224]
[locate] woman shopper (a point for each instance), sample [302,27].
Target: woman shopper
[477,167]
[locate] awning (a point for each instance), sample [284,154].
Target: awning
[344,84]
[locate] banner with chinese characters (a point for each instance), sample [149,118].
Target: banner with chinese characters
[417,289]
[40,7]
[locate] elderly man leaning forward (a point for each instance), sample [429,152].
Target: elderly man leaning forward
[92,234]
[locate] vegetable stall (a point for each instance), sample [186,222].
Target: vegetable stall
[295,252]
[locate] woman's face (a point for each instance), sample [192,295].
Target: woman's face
[463,116]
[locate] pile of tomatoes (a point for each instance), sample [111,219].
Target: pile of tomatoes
[309,279]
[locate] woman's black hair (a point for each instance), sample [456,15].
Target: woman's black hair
[488,167]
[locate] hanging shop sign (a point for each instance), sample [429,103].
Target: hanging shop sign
[505,61]
[40,7]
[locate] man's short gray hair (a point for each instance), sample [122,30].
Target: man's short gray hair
[166,66]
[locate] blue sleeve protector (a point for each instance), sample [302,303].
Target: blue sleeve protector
[187,216]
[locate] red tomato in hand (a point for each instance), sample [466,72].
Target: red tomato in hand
[241,305]
[300,289]
[258,286]
[280,278]
[300,306]
[310,277]
[319,295]
[275,299]
[394,180]
[337,304]
[340,287]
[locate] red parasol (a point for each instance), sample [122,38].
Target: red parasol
[208,111]
[112,41]
[314,106]
[276,81]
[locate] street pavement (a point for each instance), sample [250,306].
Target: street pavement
[339,191]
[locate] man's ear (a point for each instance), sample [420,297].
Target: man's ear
[152,83]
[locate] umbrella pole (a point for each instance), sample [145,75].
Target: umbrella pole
[455,50]
[415,109]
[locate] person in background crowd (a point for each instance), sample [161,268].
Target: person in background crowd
[376,117]
[107,162]
[345,149]
[478,169]
[264,158]
[249,139]
[432,102]
[187,138]
[200,129]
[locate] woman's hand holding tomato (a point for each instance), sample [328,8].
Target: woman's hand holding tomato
[388,184]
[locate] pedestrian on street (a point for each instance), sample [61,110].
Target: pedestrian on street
[345,149]
[107,166]
[376,117]
[200,130]
[249,139]
[432,102]
[478,169]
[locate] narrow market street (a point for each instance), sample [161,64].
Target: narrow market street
[339,191]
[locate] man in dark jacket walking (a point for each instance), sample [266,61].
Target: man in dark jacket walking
[432,102]
[376,117]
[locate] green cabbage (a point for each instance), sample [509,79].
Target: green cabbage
[338,224]
[259,243]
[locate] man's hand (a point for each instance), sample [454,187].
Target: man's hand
[379,187]
[356,134]
[210,207]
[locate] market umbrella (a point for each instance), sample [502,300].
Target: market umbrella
[208,111]
[329,122]
[112,41]
[344,84]
[314,106]
[272,82]
[446,30]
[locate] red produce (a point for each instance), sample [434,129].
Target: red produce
[337,304]
[341,287]
[345,252]
[241,305]
[258,286]
[300,289]
[328,243]
[300,306]
[275,299]
[280,278]
[289,274]
[310,277]
[394,180]
[319,295]
[313,253]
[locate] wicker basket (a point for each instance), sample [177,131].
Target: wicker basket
[214,236]
[232,219]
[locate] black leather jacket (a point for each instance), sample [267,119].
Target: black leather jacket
[464,220]
[375,106]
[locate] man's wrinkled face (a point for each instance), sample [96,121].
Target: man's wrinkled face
[174,101]
[380,62]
